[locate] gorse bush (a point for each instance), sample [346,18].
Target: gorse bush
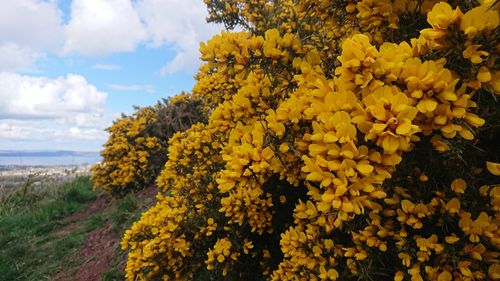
[136,148]
[347,140]
[131,156]
[177,114]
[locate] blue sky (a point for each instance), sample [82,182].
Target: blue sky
[69,67]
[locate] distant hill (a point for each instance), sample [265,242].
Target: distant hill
[46,153]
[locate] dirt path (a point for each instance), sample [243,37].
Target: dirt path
[101,203]
[98,248]
[101,245]
[97,252]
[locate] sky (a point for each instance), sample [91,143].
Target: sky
[68,68]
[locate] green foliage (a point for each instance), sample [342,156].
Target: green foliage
[113,275]
[125,212]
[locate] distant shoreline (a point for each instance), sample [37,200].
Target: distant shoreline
[43,153]
[27,166]
[48,161]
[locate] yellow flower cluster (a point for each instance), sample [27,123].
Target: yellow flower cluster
[226,56]
[230,57]
[128,153]
[221,252]
[468,34]
[169,241]
[135,151]
[345,142]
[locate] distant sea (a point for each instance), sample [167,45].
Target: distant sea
[47,158]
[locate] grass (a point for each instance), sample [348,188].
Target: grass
[125,213]
[29,247]
[33,245]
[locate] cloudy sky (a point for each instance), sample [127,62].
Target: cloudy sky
[69,67]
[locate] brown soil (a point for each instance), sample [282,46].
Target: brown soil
[148,194]
[101,203]
[97,252]
[99,248]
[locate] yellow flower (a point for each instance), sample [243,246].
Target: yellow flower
[483,75]
[439,144]
[458,186]
[495,82]
[494,271]
[357,51]
[445,276]
[442,15]
[330,274]
[479,19]
[392,126]
[405,259]
[452,239]
[453,206]
[399,276]
[493,167]
[423,177]
[473,54]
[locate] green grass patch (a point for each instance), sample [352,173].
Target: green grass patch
[113,274]
[29,250]
[33,246]
[124,213]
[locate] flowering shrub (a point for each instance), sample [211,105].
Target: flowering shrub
[347,140]
[136,148]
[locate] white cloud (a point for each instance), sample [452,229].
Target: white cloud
[39,97]
[31,23]
[40,112]
[28,29]
[179,24]
[132,88]
[31,28]
[86,134]
[103,66]
[69,108]
[102,27]
[20,129]
[15,58]
[12,131]
[106,26]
